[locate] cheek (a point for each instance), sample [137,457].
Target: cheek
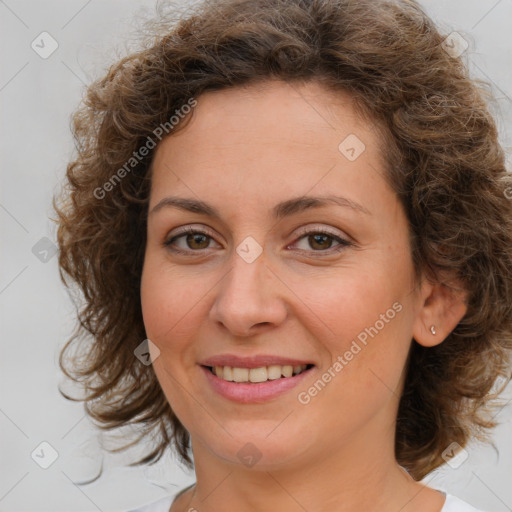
[367,321]
[164,304]
[349,302]
[367,346]
[154,303]
[168,300]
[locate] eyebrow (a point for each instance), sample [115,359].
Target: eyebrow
[280,211]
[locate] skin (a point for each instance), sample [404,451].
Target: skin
[244,151]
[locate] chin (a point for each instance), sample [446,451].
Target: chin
[258,449]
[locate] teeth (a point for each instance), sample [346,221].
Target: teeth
[261,374]
[241,374]
[274,372]
[258,374]
[287,371]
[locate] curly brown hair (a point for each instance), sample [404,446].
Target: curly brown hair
[443,159]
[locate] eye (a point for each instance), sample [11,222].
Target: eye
[321,240]
[194,240]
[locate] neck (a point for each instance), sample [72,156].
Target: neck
[359,475]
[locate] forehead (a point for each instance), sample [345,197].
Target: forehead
[270,138]
[274,107]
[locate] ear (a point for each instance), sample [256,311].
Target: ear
[442,306]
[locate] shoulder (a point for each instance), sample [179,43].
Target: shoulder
[454,504]
[163,504]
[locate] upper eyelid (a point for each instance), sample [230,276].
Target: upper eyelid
[301,231]
[313,229]
[185,230]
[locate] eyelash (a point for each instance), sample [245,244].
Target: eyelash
[343,243]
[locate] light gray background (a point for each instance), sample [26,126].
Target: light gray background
[37,97]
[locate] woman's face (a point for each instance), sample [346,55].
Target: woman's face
[258,283]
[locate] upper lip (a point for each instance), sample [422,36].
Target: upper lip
[256,361]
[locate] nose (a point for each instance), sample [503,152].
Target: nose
[250,298]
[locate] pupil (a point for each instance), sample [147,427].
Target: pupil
[195,238]
[317,237]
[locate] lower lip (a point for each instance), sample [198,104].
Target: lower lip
[247,393]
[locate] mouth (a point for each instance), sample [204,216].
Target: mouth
[257,375]
[256,385]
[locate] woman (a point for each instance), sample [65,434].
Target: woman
[297,212]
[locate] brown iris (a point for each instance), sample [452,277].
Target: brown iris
[196,238]
[317,237]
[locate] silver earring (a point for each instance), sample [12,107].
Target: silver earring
[433,330]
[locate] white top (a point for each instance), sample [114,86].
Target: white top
[452,504]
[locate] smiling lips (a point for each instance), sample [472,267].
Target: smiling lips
[259,368]
[253,379]
[260,374]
